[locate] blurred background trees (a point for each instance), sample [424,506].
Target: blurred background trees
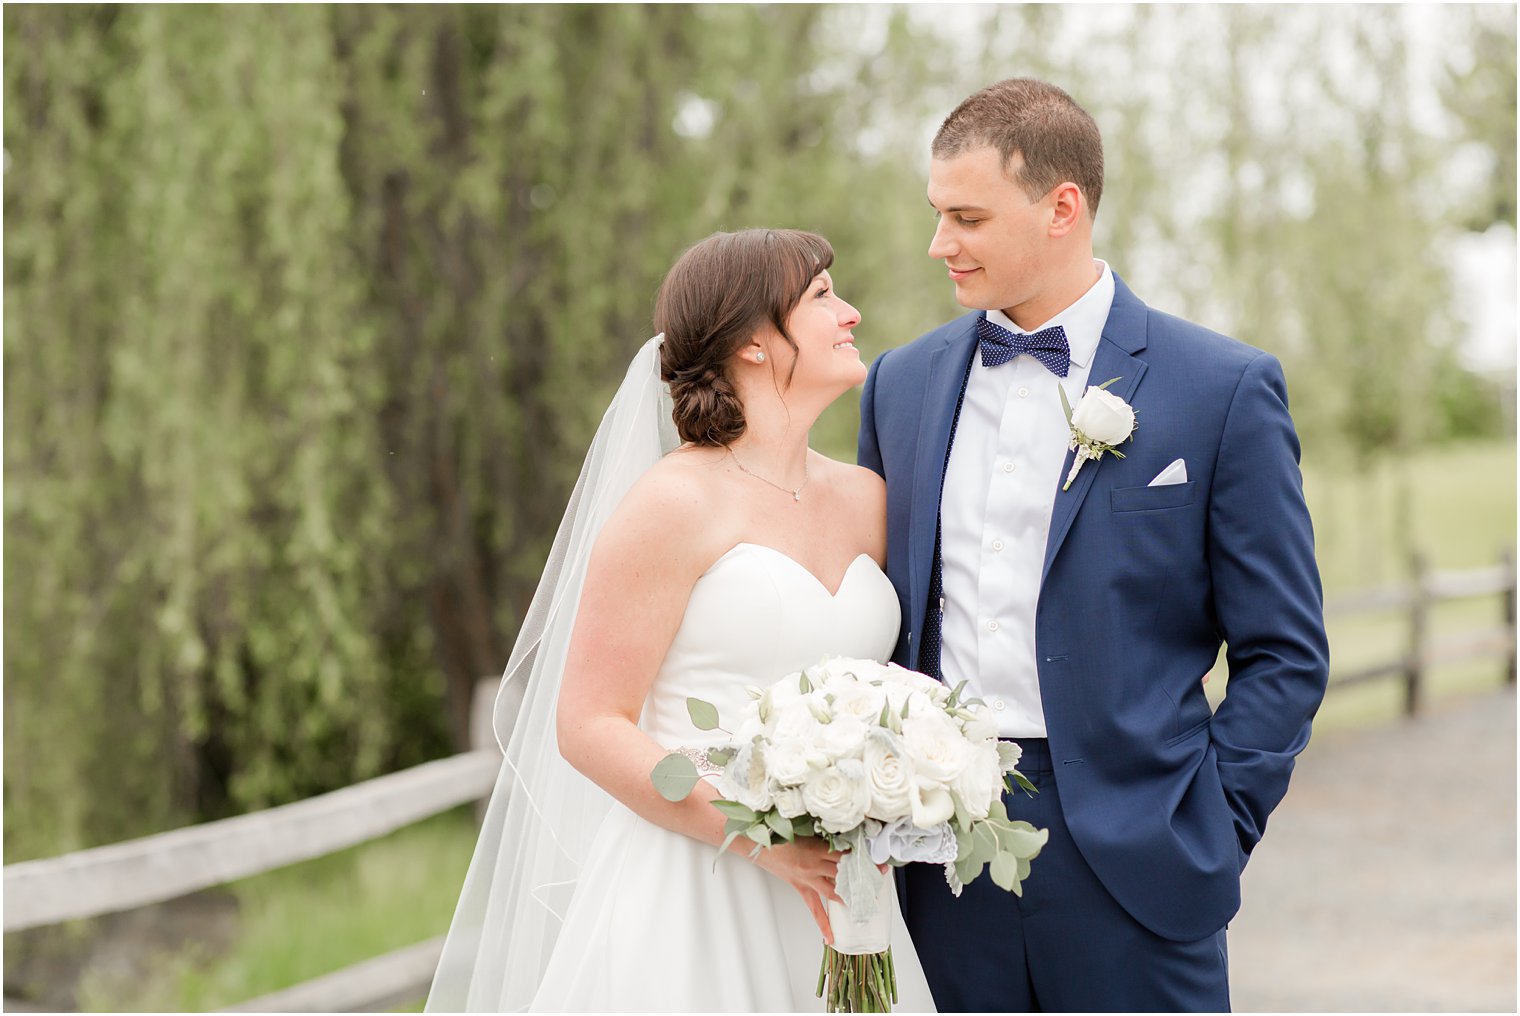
[311,311]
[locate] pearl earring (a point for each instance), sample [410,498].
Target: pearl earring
[759,357]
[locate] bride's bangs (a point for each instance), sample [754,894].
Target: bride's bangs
[803,256]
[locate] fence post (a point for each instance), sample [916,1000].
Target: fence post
[1419,630]
[482,728]
[1508,562]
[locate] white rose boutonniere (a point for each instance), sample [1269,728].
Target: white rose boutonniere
[1099,423]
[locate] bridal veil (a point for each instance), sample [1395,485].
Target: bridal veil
[543,814]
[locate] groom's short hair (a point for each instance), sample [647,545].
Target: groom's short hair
[1056,138]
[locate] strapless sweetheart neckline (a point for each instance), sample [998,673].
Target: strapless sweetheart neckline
[839,588]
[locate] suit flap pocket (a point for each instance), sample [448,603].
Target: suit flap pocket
[1147,499]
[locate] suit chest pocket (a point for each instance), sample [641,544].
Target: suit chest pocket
[1152,499]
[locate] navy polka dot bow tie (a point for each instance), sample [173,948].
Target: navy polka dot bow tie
[1049,346]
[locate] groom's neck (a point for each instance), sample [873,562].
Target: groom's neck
[1062,286]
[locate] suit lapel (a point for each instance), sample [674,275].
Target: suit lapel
[1123,337]
[947,368]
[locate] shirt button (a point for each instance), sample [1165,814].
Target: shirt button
[1008,467]
[992,625]
[997,544]
[1023,393]
[998,705]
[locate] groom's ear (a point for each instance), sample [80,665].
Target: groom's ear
[1068,209]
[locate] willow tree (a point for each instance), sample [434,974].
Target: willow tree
[311,312]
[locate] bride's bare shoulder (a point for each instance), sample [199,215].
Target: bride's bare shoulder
[675,509]
[854,482]
[864,497]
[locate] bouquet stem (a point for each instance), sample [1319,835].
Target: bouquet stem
[857,983]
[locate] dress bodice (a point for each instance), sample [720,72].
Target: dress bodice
[755,616]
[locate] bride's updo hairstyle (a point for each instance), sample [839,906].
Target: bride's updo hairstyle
[712,302]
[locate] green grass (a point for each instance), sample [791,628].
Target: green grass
[1461,515]
[314,918]
[311,919]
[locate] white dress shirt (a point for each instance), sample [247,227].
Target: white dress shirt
[1000,487]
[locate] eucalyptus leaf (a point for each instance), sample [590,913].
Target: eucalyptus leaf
[761,834]
[1005,871]
[962,843]
[967,869]
[962,816]
[778,825]
[720,756]
[674,776]
[1024,840]
[703,714]
[984,843]
[1065,403]
[733,835]
[733,809]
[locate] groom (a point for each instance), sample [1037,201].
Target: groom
[1086,616]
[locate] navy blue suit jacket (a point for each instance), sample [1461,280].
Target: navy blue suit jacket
[1141,586]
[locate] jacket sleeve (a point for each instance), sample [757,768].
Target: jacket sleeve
[1267,599]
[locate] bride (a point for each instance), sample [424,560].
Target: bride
[693,568]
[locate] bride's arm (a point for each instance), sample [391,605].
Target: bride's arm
[645,562]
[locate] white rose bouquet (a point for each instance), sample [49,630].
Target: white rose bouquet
[887,765]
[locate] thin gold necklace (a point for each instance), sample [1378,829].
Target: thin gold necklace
[796,494]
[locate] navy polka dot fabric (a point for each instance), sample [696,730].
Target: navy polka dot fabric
[1048,345]
[934,617]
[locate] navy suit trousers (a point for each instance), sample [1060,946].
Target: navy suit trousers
[1065,946]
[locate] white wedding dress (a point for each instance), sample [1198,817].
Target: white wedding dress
[653,924]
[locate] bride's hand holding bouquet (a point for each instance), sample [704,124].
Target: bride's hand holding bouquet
[886,766]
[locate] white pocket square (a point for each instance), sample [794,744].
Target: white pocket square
[1174,473]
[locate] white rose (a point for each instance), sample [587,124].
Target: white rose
[838,674]
[843,738]
[979,784]
[749,728]
[981,726]
[784,692]
[936,745]
[860,701]
[838,796]
[912,679]
[787,763]
[744,778]
[789,801]
[795,724]
[1103,417]
[890,776]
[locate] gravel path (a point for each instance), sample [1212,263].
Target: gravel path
[1386,881]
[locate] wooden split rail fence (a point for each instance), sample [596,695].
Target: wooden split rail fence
[122,876]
